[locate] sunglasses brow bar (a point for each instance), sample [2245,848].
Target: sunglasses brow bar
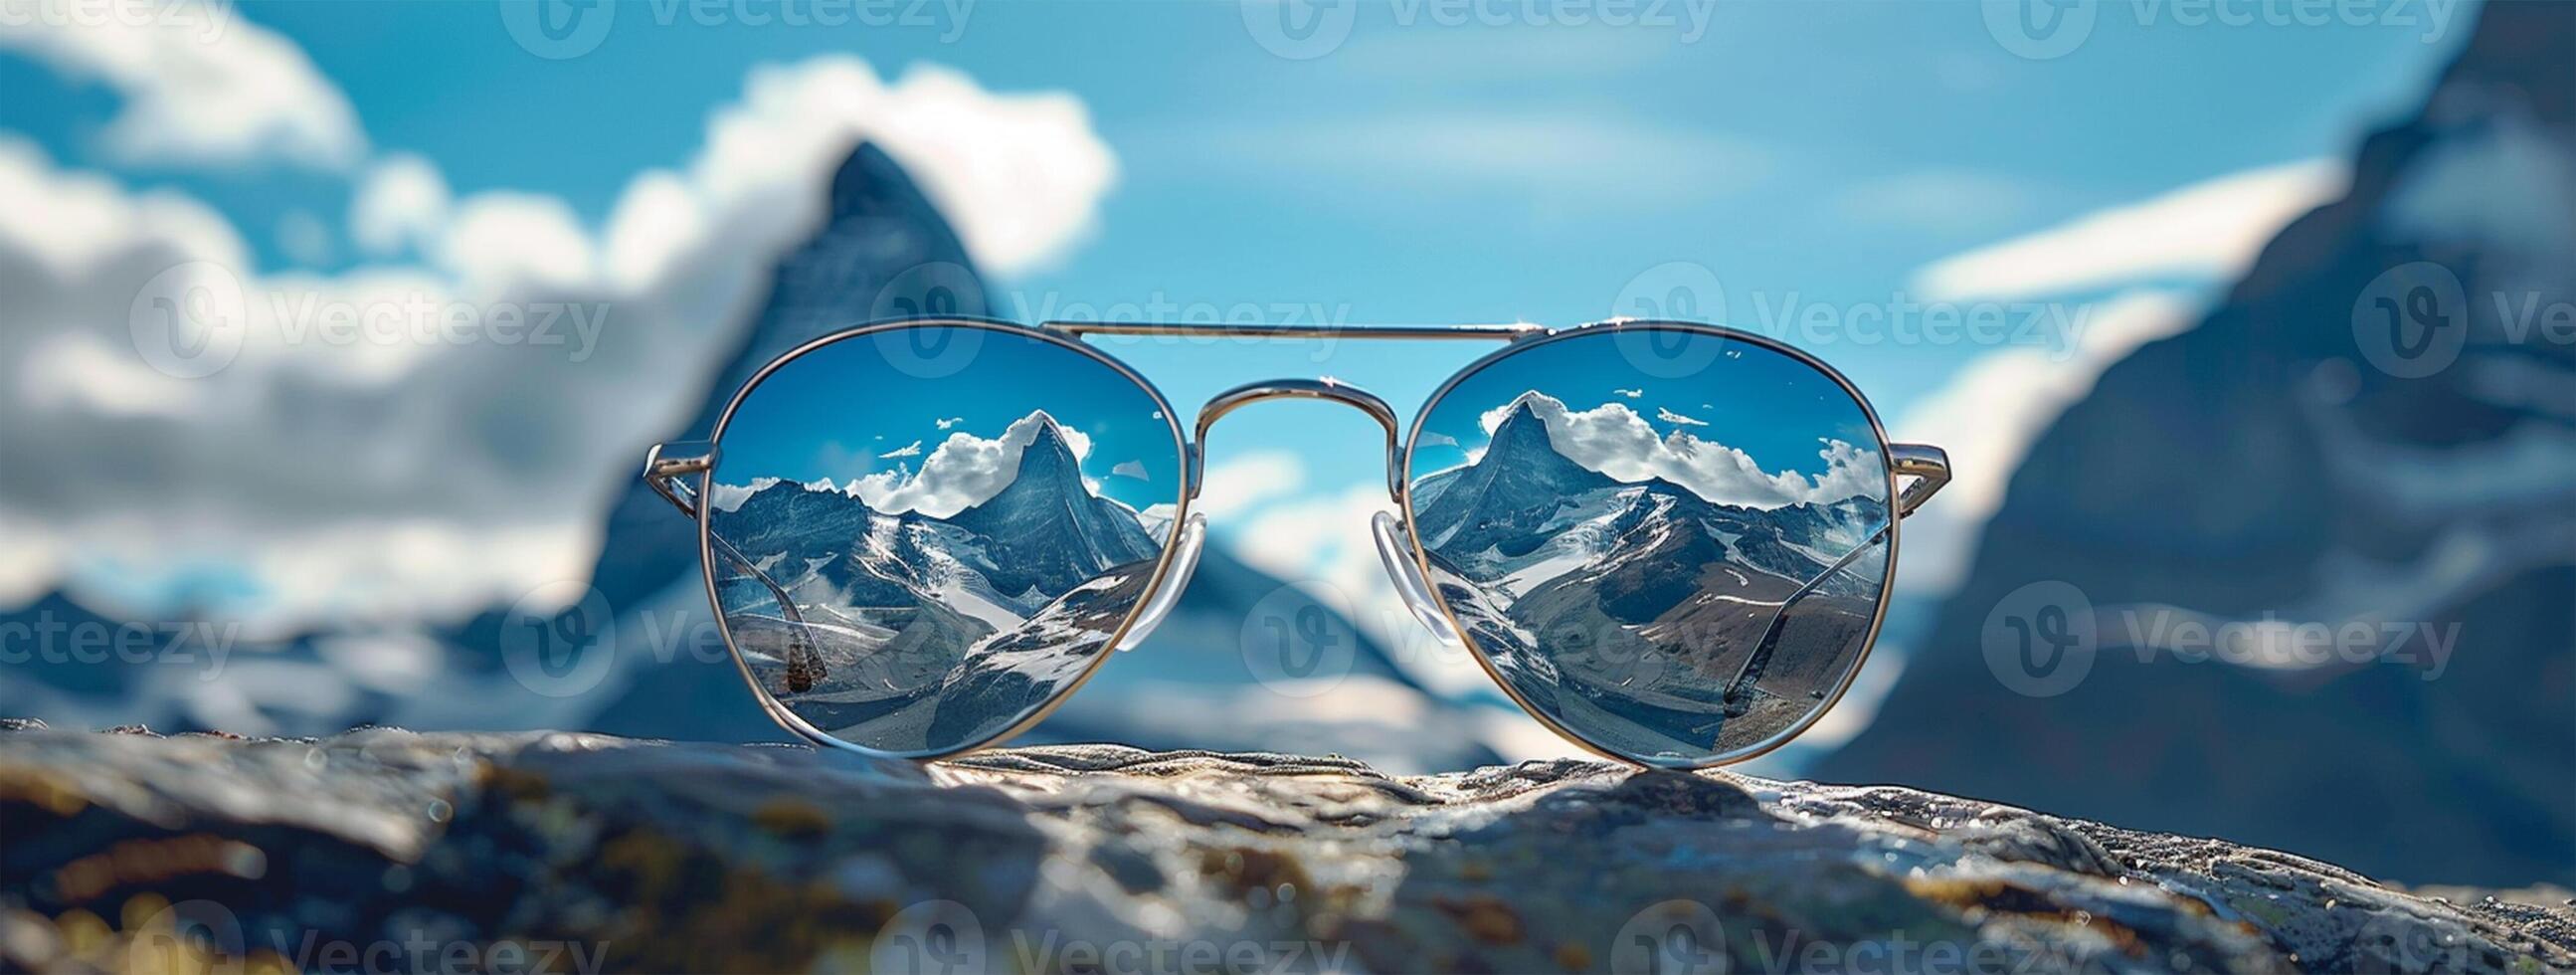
[1490,332]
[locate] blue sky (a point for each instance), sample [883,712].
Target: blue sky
[1812,171]
[845,413]
[1748,398]
[1248,179]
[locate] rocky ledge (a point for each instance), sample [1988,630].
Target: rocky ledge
[384,850]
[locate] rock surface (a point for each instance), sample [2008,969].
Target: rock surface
[384,849]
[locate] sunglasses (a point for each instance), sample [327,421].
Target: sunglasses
[1669,542]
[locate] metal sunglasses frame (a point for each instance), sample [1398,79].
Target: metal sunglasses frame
[681,471]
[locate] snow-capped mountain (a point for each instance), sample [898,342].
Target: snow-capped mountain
[1524,515]
[1048,529]
[906,630]
[1644,598]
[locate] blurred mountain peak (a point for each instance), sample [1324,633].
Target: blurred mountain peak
[2366,437]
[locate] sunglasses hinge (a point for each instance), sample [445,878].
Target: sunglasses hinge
[668,467]
[1928,465]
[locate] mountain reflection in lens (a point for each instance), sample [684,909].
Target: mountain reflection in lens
[1677,570]
[916,564]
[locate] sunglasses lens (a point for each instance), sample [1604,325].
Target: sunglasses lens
[920,537]
[1668,543]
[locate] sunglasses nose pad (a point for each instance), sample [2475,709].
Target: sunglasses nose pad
[1389,532]
[1189,536]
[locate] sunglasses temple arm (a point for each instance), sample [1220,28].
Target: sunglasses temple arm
[804,666]
[666,470]
[1929,466]
[1738,691]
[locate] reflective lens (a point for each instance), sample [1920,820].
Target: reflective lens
[1667,542]
[920,537]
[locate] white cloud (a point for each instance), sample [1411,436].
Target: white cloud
[950,421]
[1133,468]
[964,470]
[1630,393]
[1432,438]
[402,202]
[729,497]
[432,478]
[1020,176]
[1988,414]
[1669,416]
[912,449]
[1614,440]
[200,85]
[2209,229]
[1243,483]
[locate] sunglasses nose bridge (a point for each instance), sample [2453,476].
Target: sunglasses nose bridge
[1321,389]
[1394,546]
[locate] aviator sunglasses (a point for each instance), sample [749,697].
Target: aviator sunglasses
[1669,542]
